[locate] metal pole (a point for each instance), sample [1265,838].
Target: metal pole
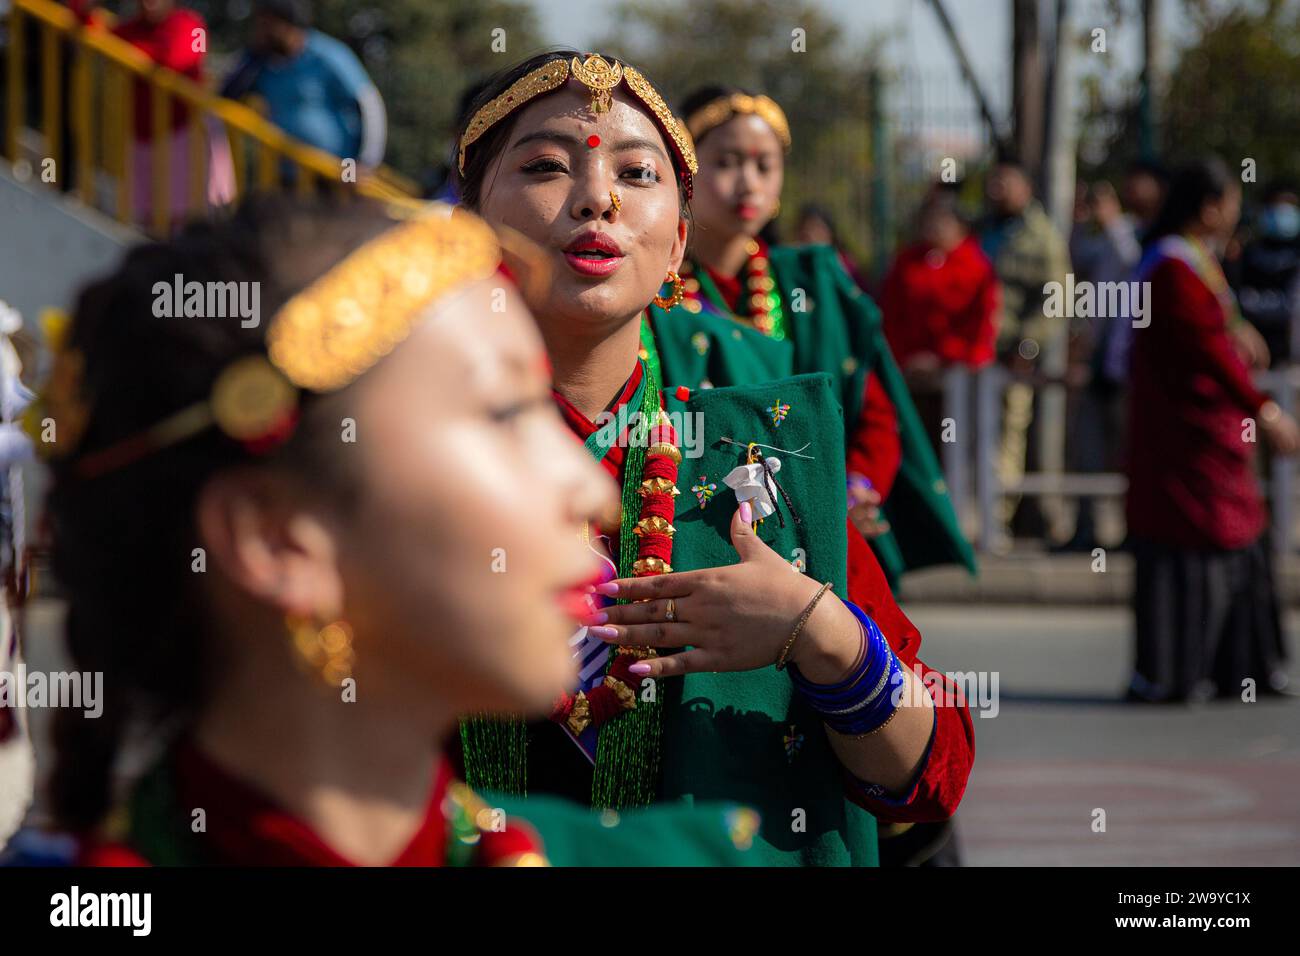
[968,74]
[1152,80]
[1028,88]
[988,435]
[1282,474]
[956,454]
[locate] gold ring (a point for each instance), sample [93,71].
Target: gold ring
[671,613]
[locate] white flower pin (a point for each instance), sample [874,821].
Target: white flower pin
[751,484]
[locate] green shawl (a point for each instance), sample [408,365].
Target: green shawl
[833,328]
[746,737]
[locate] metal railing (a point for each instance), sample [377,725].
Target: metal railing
[101,72]
[970,461]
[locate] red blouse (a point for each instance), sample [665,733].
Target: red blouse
[1191,480]
[941,782]
[246,828]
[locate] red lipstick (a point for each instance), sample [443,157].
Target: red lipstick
[593,254]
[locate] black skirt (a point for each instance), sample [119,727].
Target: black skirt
[1206,622]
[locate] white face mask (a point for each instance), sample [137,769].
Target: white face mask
[1281,221]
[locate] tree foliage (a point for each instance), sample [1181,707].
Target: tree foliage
[1234,91]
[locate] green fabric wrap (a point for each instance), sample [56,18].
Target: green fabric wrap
[832,327]
[724,734]
[660,835]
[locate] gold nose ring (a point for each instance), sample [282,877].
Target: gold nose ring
[615,201]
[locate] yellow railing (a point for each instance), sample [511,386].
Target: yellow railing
[100,101]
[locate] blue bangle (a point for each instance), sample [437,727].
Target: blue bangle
[866,699]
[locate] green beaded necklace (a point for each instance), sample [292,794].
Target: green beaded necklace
[628,749]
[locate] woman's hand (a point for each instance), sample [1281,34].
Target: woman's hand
[734,618]
[1250,345]
[864,509]
[1279,428]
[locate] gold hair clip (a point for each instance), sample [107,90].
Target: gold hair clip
[601,77]
[716,112]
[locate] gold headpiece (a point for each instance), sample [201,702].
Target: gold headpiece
[716,112]
[354,315]
[321,340]
[601,77]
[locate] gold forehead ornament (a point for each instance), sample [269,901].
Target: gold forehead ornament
[716,112]
[601,77]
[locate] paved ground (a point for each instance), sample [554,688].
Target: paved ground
[1213,785]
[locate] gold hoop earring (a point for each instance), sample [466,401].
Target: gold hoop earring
[679,291]
[325,650]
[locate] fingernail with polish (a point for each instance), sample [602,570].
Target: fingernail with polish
[609,588]
[746,512]
[639,669]
[600,617]
[604,633]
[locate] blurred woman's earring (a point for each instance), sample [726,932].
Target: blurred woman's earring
[776,211]
[679,291]
[326,650]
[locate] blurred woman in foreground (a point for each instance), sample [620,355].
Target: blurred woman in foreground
[283,544]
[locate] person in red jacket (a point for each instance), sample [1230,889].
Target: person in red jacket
[939,302]
[174,37]
[940,296]
[1205,609]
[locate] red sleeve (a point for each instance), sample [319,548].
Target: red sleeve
[176,51]
[1196,332]
[85,10]
[875,450]
[939,787]
[171,45]
[504,847]
[109,854]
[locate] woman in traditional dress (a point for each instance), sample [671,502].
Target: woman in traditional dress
[798,310]
[1204,602]
[298,547]
[581,155]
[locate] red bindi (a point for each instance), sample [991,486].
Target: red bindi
[593,140]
